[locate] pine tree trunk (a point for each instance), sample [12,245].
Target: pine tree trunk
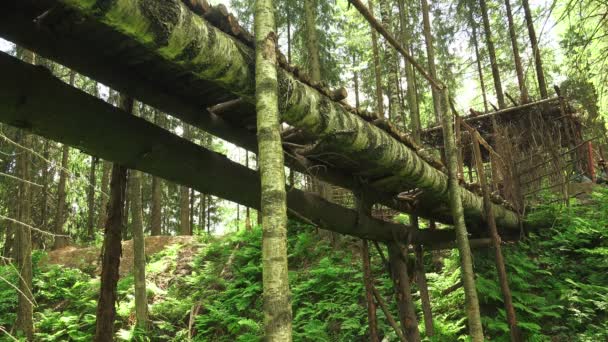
[91,199]
[139,256]
[44,203]
[157,183]
[538,61]
[61,241]
[430,55]
[500,97]
[277,303]
[403,293]
[462,239]
[112,249]
[519,70]
[103,198]
[482,85]
[377,68]
[499,259]
[312,40]
[410,77]
[372,319]
[248,211]
[184,198]
[23,235]
[391,64]
[425,298]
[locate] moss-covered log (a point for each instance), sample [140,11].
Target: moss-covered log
[170,33]
[32,99]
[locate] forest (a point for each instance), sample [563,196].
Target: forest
[303,170]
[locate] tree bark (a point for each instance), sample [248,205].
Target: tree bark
[372,319]
[423,287]
[112,249]
[91,199]
[403,293]
[500,97]
[519,70]
[538,61]
[277,303]
[184,198]
[430,55]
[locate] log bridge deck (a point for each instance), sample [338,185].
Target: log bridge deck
[177,57]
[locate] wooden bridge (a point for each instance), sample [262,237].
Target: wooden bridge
[167,56]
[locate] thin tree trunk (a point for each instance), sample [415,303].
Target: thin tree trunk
[248,211]
[519,70]
[390,60]
[184,198]
[139,245]
[377,68]
[192,199]
[425,298]
[112,249]
[500,262]
[157,183]
[312,40]
[23,235]
[462,239]
[410,77]
[369,292]
[403,293]
[482,85]
[538,61]
[430,54]
[500,97]
[356,82]
[91,198]
[103,199]
[45,186]
[277,303]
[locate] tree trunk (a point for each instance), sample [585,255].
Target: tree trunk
[519,70]
[112,249]
[500,262]
[277,303]
[184,198]
[248,211]
[157,184]
[462,238]
[44,211]
[103,199]
[538,61]
[500,97]
[377,68]
[410,77]
[23,234]
[430,54]
[425,298]
[478,60]
[403,294]
[312,40]
[91,198]
[392,68]
[369,293]
[139,245]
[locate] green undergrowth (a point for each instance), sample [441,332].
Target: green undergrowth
[558,276]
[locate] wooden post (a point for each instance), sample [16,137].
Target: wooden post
[401,281]
[500,264]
